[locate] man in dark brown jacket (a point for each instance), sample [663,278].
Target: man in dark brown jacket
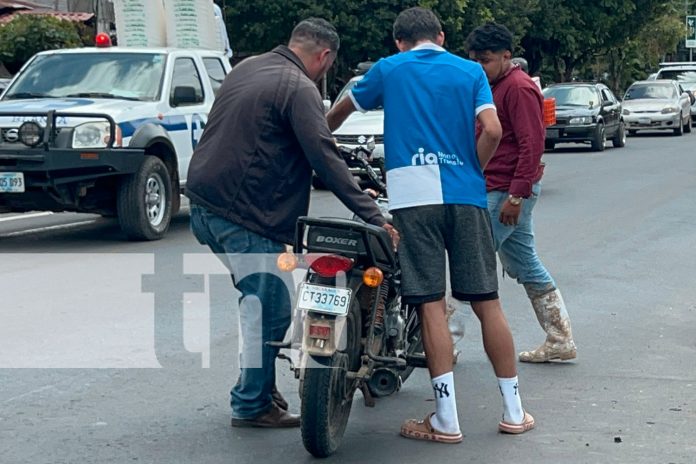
[250,179]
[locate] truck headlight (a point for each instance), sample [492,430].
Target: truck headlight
[581,120]
[94,135]
[30,134]
[626,112]
[670,109]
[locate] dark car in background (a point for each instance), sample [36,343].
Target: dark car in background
[585,113]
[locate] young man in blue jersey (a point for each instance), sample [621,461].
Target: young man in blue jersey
[437,194]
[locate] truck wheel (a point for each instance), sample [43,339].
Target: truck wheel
[144,201]
[549,145]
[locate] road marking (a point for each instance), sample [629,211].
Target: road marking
[48,229]
[24,395]
[26,216]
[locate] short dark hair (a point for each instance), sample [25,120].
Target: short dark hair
[521,62]
[491,36]
[415,24]
[317,32]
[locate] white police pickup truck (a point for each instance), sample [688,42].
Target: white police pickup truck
[106,130]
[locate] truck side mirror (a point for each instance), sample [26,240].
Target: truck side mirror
[184,95]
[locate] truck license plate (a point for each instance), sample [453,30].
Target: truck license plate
[11,182]
[328,300]
[552,133]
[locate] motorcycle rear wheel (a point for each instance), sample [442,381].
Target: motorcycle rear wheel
[327,394]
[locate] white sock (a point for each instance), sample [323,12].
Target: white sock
[512,403]
[445,418]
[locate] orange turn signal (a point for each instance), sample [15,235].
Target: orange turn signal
[287,262]
[373,277]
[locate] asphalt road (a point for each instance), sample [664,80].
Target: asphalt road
[140,378]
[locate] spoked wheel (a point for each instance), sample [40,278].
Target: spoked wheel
[327,393]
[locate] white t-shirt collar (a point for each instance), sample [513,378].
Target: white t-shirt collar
[428,46]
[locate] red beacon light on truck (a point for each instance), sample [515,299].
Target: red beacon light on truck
[102,40]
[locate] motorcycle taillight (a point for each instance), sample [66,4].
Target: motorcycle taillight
[322,332]
[329,265]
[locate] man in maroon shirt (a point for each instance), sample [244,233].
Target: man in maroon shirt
[513,183]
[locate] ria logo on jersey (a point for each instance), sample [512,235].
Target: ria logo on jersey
[422,158]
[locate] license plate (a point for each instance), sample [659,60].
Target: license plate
[328,300]
[645,121]
[551,133]
[11,182]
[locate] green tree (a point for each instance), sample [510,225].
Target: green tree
[27,35]
[514,14]
[642,53]
[570,35]
[560,38]
[363,25]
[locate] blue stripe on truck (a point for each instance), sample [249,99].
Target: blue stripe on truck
[170,123]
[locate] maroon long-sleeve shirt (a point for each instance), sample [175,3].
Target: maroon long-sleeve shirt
[516,164]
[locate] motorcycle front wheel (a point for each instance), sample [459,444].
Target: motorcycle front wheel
[327,393]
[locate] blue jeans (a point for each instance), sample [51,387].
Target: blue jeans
[515,244]
[264,308]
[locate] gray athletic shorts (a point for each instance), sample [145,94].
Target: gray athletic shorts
[430,234]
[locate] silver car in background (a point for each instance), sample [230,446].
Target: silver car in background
[660,104]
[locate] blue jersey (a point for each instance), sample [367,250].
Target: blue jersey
[431,99]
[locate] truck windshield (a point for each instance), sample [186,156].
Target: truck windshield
[129,76]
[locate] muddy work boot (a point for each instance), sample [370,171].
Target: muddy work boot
[553,318]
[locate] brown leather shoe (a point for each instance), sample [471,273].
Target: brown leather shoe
[274,418]
[279,400]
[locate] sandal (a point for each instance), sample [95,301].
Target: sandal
[526,425]
[423,430]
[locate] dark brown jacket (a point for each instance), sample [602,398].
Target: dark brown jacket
[265,134]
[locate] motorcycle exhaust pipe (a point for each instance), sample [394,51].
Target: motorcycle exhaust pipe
[384,382]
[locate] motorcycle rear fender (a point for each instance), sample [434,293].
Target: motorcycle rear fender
[336,341]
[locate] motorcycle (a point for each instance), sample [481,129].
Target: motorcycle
[354,332]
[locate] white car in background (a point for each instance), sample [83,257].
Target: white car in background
[685,73]
[357,130]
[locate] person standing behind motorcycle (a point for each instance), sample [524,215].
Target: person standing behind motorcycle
[513,182]
[250,179]
[437,195]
